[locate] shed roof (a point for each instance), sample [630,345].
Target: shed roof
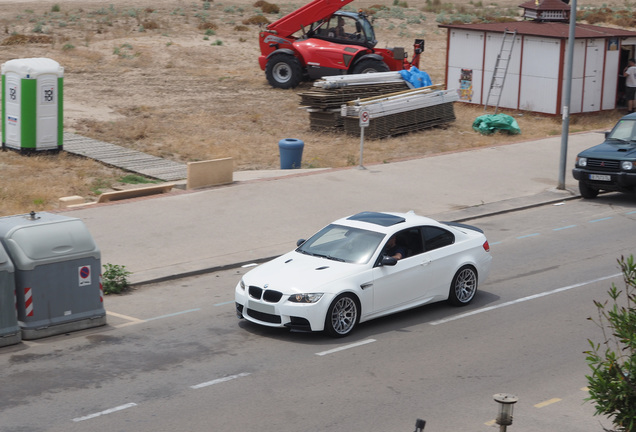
[545,5]
[558,30]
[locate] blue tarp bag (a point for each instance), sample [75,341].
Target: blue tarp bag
[416,77]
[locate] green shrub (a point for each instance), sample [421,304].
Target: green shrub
[115,279]
[612,383]
[136,179]
[257,19]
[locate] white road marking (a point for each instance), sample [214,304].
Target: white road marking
[133,321]
[344,347]
[126,317]
[173,314]
[219,380]
[523,299]
[108,411]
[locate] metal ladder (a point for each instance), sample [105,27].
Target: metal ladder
[501,69]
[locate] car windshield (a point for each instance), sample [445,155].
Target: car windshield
[625,130]
[341,243]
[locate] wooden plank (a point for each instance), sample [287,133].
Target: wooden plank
[135,193]
[125,158]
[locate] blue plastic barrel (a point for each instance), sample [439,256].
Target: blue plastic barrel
[291,153]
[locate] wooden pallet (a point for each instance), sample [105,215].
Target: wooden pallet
[323,98]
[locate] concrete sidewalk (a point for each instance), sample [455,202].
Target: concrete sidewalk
[261,215]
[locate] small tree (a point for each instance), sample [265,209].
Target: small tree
[612,383]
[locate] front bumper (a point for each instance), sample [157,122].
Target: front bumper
[619,181]
[295,316]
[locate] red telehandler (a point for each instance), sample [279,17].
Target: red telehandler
[329,42]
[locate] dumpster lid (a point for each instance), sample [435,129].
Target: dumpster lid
[45,237]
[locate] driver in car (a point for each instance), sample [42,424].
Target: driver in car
[393,249]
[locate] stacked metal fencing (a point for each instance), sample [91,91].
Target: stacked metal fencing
[335,103]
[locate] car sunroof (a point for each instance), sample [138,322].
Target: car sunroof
[381,219]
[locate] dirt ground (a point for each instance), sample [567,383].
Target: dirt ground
[180,80]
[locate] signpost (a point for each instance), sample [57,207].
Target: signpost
[364,122]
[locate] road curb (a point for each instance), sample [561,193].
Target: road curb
[549,197]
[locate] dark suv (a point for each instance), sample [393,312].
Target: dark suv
[609,166]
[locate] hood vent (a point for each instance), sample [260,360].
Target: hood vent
[322,268]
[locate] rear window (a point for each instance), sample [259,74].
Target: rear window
[435,238]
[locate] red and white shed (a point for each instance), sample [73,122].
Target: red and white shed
[536,70]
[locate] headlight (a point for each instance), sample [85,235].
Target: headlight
[581,161]
[305,298]
[242,284]
[627,165]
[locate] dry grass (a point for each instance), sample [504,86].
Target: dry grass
[180,80]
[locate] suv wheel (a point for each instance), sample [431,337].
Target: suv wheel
[587,191]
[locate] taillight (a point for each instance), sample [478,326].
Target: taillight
[486,246]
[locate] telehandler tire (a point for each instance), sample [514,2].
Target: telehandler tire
[370,66]
[283,71]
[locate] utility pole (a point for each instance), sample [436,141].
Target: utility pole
[566,98]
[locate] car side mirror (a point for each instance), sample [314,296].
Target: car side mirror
[607,134]
[300,241]
[388,261]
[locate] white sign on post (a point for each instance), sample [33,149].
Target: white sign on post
[364,118]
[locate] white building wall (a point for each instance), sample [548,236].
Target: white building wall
[540,74]
[532,82]
[612,58]
[578,74]
[510,92]
[466,52]
[594,61]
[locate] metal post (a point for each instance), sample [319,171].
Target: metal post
[566,98]
[361,146]
[364,122]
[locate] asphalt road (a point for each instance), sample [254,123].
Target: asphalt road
[174,357]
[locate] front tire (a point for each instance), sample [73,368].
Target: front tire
[370,66]
[463,287]
[342,316]
[283,71]
[587,191]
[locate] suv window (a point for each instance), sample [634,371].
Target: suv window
[435,237]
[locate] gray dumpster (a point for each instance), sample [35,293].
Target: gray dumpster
[10,333]
[57,273]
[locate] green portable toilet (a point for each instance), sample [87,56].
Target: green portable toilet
[32,107]
[10,332]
